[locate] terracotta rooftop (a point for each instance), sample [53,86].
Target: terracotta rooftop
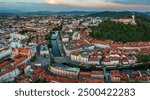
[91,80]
[97,72]
[8,71]
[85,74]
[3,64]
[93,59]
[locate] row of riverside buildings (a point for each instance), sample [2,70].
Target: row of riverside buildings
[80,47]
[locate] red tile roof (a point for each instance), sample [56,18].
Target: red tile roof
[75,54]
[8,71]
[23,51]
[85,74]
[97,72]
[93,58]
[91,80]
[5,63]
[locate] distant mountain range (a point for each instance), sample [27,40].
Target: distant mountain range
[41,8]
[20,8]
[86,13]
[47,13]
[61,13]
[147,13]
[115,14]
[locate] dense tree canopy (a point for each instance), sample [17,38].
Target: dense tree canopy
[48,38]
[143,58]
[121,32]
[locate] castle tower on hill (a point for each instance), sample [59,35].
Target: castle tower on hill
[133,17]
[126,20]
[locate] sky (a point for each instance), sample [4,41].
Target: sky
[68,5]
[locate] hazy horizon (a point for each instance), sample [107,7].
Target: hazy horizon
[74,5]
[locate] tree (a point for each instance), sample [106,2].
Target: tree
[29,40]
[146,65]
[118,65]
[93,66]
[33,59]
[121,32]
[48,38]
[143,58]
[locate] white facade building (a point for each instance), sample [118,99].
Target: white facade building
[44,50]
[4,50]
[10,76]
[76,36]
[18,36]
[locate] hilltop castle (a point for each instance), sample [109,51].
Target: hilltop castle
[126,20]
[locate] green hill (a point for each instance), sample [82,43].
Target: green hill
[121,32]
[111,14]
[115,14]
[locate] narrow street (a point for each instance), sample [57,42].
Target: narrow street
[106,75]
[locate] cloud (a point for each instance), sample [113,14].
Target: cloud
[135,2]
[54,1]
[91,4]
[106,4]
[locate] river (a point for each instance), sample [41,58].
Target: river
[55,50]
